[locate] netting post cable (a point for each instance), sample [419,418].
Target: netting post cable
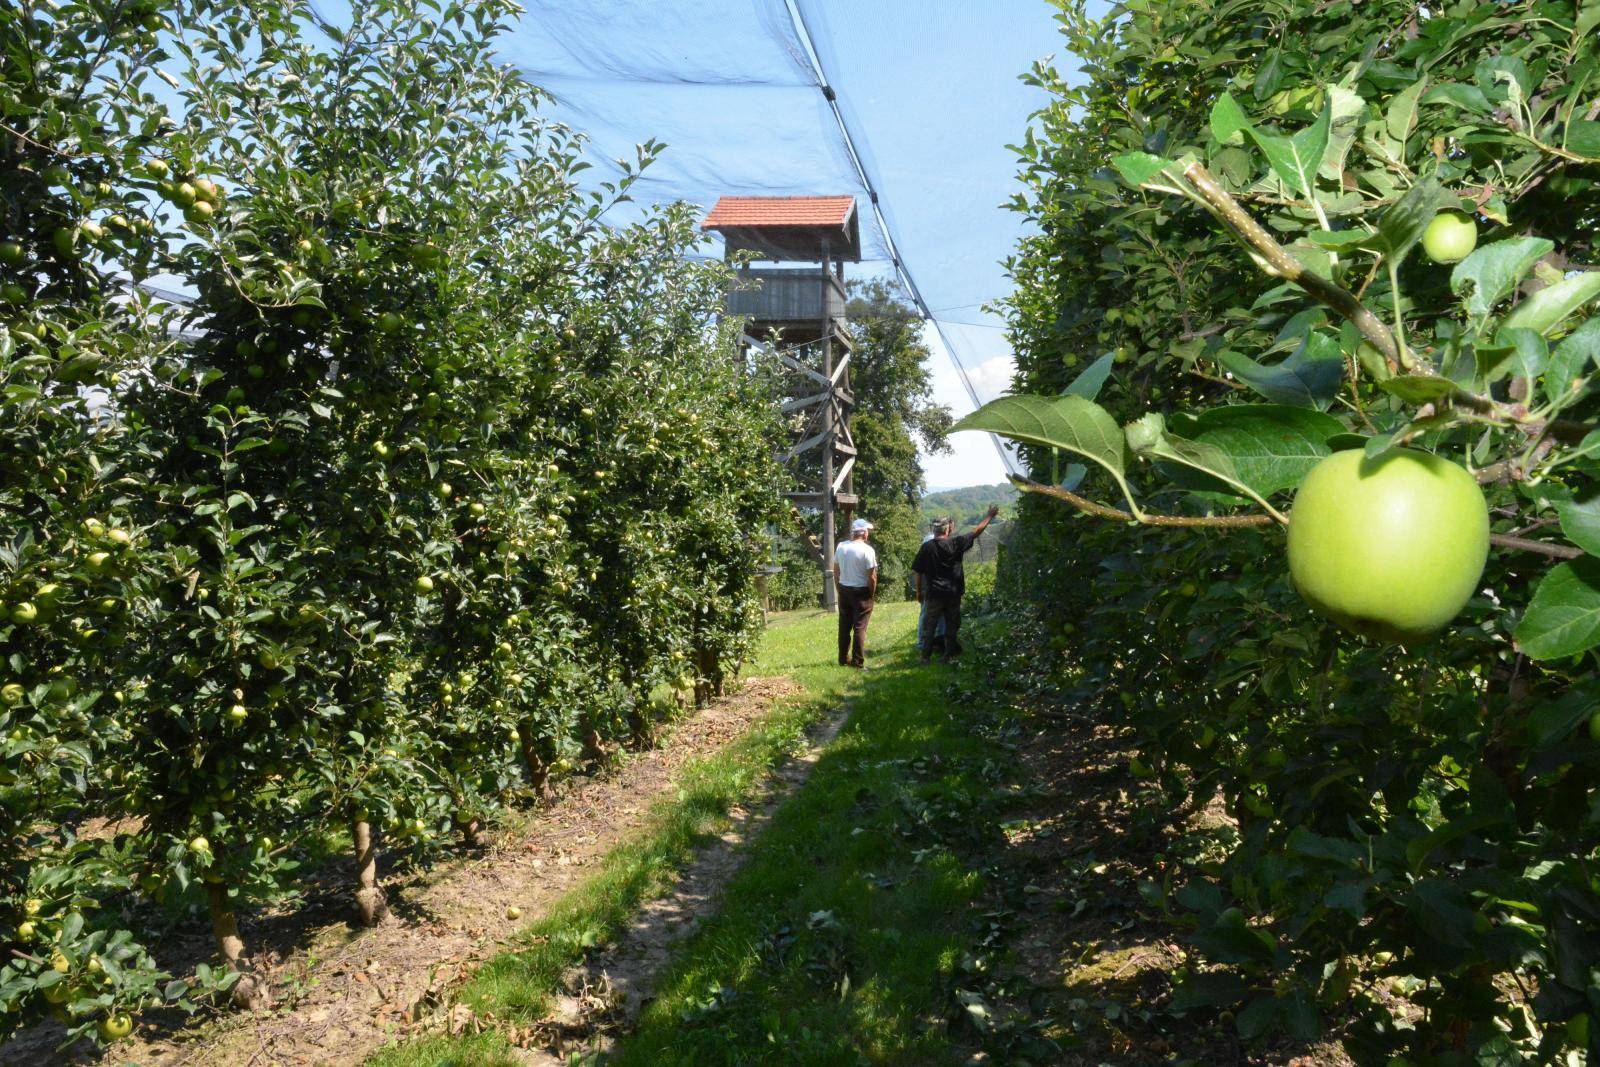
[830,94]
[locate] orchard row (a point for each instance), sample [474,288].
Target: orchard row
[433,487]
[1313,255]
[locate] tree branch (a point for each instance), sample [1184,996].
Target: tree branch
[1101,511]
[1281,264]
[1251,520]
[1543,548]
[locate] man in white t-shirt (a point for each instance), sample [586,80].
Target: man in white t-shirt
[855,573]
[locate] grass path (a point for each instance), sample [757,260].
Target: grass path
[840,935]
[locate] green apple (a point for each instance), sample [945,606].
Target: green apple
[1450,237]
[1390,547]
[381,449]
[11,694]
[184,195]
[24,613]
[238,714]
[199,845]
[116,1027]
[98,560]
[513,912]
[26,930]
[32,906]
[10,253]
[156,168]
[390,322]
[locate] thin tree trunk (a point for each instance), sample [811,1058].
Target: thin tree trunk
[471,831]
[369,894]
[538,769]
[250,992]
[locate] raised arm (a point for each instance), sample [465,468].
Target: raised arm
[994,509]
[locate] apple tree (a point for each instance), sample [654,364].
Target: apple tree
[1304,237]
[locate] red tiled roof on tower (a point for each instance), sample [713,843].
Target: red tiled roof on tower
[742,211]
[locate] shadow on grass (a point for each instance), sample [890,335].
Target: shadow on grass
[841,939]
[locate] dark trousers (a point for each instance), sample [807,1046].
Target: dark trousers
[937,610]
[855,607]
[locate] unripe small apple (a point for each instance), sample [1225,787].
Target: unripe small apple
[1450,237]
[424,584]
[199,845]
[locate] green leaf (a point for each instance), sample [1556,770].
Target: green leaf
[1067,422]
[1137,168]
[1545,309]
[1466,97]
[1345,109]
[1520,352]
[1149,438]
[1297,159]
[1402,114]
[1496,269]
[1229,123]
[1503,78]
[1093,377]
[1343,240]
[1271,447]
[1572,358]
[1310,377]
[1580,523]
[1583,139]
[1419,388]
[1405,221]
[1564,616]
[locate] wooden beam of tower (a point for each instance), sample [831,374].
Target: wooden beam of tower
[844,472]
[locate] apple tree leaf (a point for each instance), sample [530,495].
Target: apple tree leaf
[1069,422]
[1093,378]
[1494,270]
[1580,523]
[1310,377]
[1564,617]
[1547,308]
[1271,446]
[1572,358]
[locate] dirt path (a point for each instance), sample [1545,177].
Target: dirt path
[605,994]
[343,992]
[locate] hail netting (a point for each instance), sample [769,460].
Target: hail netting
[927,96]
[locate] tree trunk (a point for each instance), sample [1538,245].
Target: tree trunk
[538,769]
[250,992]
[369,895]
[594,749]
[471,831]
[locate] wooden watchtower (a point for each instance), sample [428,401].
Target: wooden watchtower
[805,308]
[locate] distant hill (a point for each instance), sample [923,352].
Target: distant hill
[967,505]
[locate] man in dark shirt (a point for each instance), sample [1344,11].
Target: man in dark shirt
[940,584]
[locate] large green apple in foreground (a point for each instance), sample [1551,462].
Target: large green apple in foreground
[1389,547]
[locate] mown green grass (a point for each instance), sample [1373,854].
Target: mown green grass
[518,984]
[842,938]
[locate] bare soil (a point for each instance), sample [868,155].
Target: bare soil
[1084,839]
[341,992]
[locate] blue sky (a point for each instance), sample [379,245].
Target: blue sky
[929,87]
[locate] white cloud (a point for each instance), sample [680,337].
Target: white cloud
[972,459]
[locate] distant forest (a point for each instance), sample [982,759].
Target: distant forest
[968,504]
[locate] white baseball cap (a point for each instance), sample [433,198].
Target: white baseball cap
[860,526]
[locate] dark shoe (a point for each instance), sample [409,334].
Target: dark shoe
[844,663]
